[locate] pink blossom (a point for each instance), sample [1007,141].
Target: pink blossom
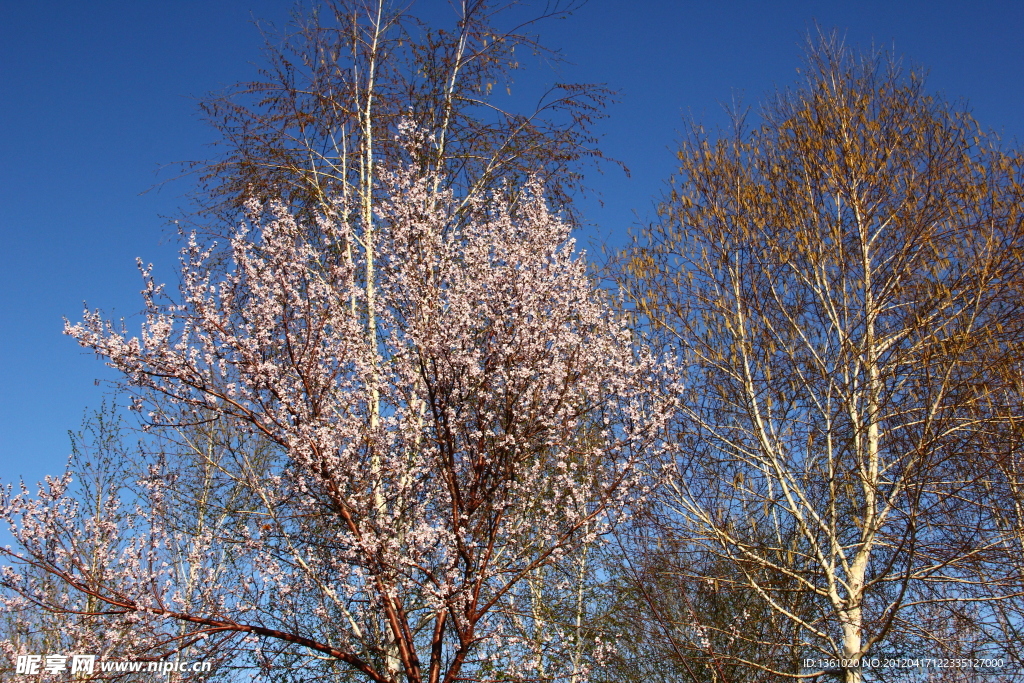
[392,453]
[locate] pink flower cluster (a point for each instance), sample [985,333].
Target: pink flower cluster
[415,416]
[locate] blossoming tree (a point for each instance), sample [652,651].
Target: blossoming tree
[373,461]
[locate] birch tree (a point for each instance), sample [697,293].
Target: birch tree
[337,82]
[836,284]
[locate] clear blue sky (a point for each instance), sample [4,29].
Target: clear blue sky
[96,96]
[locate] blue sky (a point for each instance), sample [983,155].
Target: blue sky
[96,97]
